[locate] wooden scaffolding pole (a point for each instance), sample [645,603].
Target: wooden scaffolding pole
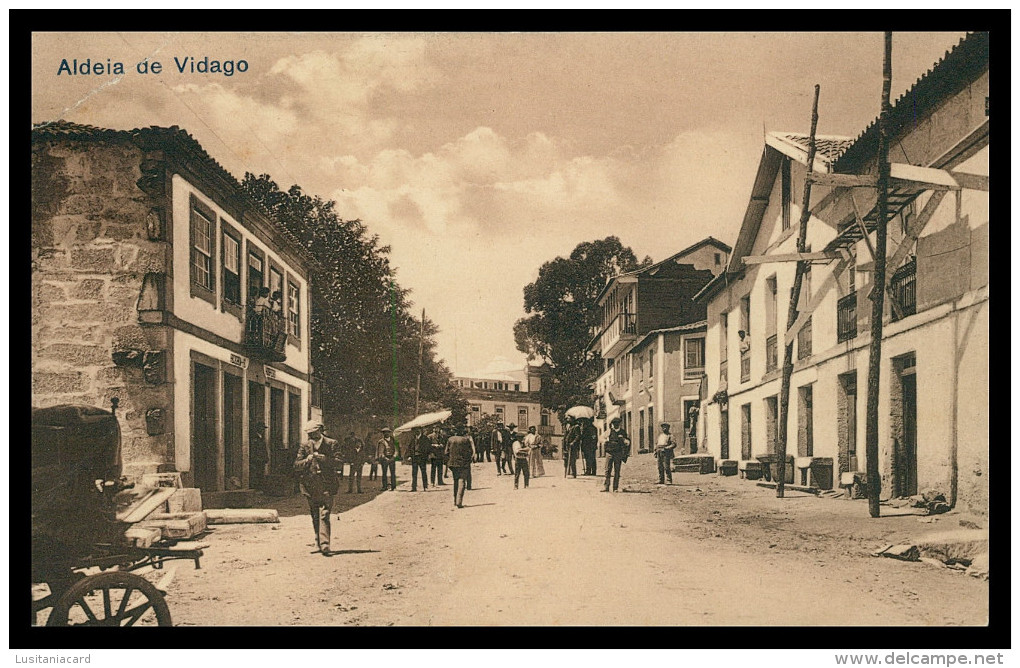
[791,318]
[878,292]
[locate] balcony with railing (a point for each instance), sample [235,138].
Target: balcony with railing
[618,334]
[771,353]
[846,317]
[903,286]
[265,335]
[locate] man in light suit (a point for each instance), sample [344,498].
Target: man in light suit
[316,466]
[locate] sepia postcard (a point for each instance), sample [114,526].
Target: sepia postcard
[558,329]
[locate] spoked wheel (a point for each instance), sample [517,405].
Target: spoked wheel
[111,599]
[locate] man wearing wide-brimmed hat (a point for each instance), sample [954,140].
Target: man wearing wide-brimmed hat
[386,455]
[665,446]
[316,466]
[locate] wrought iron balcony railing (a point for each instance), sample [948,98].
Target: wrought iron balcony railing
[846,317]
[904,287]
[265,335]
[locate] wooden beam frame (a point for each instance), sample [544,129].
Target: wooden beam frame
[971,181]
[843,180]
[863,228]
[791,257]
[817,297]
[916,227]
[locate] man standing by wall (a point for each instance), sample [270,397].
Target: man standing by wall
[316,466]
[386,454]
[664,448]
[459,455]
[617,452]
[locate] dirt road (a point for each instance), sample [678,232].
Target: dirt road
[704,551]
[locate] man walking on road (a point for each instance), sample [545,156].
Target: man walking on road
[520,454]
[459,455]
[588,441]
[316,466]
[418,451]
[571,444]
[617,452]
[386,454]
[664,448]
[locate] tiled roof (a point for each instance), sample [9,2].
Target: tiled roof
[956,69]
[829,148]
[155,133]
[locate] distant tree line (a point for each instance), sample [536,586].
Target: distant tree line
[364,336]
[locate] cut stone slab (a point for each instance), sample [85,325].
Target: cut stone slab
[169,479]
[242,516]
[143,536]
[134,505]
[178,525]
[185,500]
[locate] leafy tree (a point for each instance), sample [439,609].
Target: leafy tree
[364,338]
[565,315]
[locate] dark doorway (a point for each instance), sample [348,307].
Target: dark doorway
[771,424]
[724,434]
[847,422]
[903,426]
[277,447]
[295,422]
[257,453]
[908,450]
[204,446]
[233,430]
[745,432]
[691,425]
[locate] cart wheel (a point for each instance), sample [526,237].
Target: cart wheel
[111,599]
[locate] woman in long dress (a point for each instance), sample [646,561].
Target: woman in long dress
[534,443]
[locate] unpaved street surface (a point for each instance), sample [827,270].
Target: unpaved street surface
[704,551]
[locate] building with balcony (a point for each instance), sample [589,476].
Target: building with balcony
[933,395]
[652,343]
[511,396]
[147,263]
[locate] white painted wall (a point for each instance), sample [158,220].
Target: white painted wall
[200,312]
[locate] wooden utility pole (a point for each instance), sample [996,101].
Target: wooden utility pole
[878,290]
[791,317]
[421,345]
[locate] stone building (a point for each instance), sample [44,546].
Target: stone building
[933,395]
[652,344]
[511,396]
[147,261]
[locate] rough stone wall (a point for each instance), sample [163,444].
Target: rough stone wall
[90,252]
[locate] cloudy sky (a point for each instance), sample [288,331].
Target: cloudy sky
[478,157]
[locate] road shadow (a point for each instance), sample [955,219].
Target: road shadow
[636,491]
[478,505]
[334,553]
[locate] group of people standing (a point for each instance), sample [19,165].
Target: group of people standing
[320,460]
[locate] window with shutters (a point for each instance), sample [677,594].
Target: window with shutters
[203,251]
